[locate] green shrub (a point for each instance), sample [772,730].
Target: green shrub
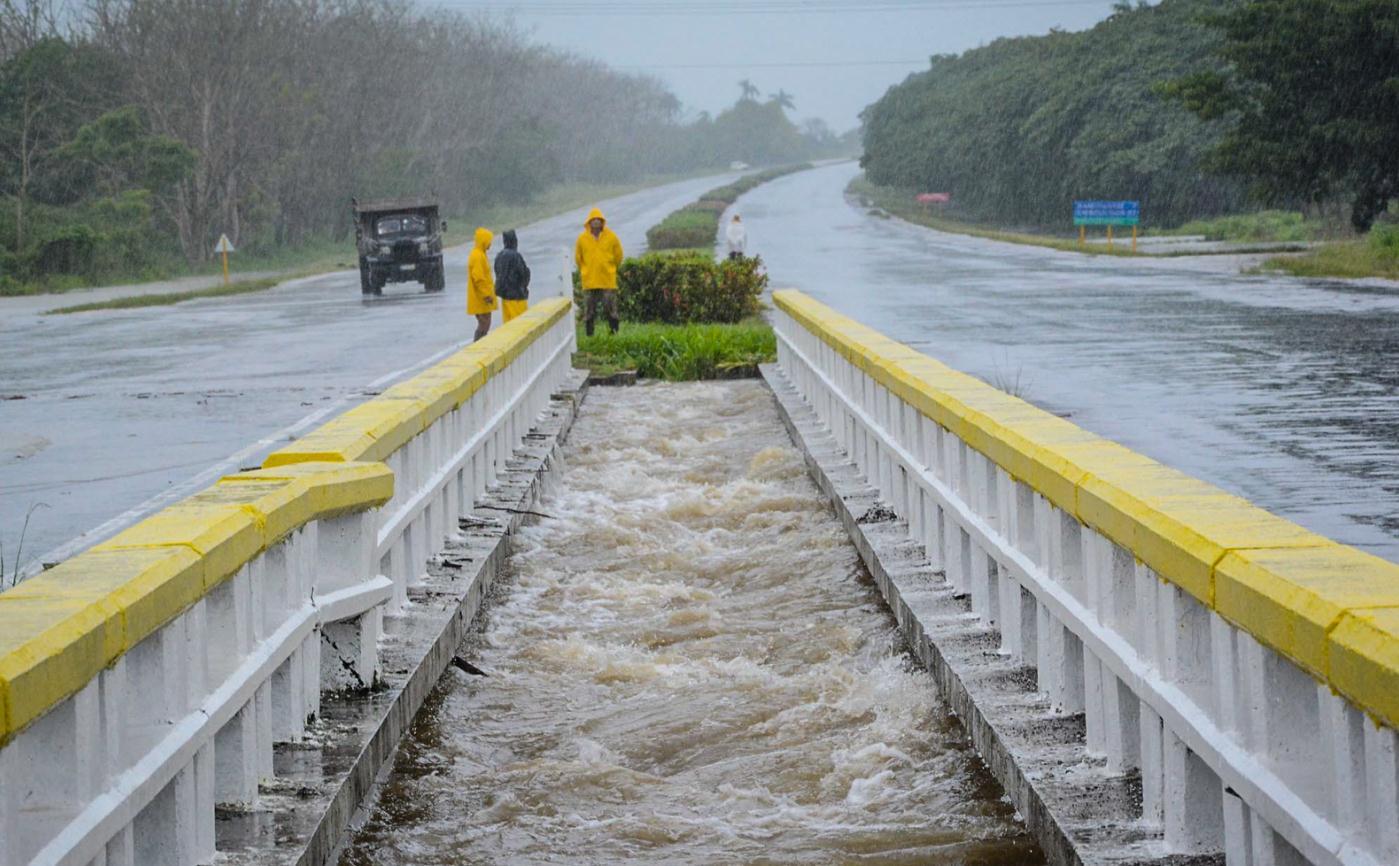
[685,288]
[1271,225]
[710,204]
[679,353]
[1384,239]
[66,249]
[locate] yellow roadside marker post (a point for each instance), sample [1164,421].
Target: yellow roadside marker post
[225,247]
[1109,237]
[1134,240]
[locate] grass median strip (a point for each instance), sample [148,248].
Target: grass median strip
[161,300]
[679,353]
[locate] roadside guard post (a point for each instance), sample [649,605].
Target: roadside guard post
[1107,213]
[224,246]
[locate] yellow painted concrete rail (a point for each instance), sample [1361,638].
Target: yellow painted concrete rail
[1331,609]
[379,427]
[60,628]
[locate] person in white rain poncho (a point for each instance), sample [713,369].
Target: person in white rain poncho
[737,237]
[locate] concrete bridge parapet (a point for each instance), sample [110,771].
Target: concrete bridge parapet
[146,681]
[1233,677]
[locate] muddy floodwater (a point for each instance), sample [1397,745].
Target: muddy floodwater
[687,665]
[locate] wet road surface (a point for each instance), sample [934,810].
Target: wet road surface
[1281,390]
[133,409]
[687,666]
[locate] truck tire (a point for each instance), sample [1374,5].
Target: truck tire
[436,281]
[366,287]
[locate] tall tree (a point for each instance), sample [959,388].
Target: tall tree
[750,90]
[783,99]
[47,92]
[1312,97]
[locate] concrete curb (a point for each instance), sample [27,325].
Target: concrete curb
[321,786]
[1076,810]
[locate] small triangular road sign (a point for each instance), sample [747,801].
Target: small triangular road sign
[224,245]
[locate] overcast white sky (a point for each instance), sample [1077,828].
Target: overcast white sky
[834,56]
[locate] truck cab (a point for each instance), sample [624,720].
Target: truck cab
[399,240]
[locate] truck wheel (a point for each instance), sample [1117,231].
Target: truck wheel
[366,286]
[437,282]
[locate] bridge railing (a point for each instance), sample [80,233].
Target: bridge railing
[1247,668]
[145,681]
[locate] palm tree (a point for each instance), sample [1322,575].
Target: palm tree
[750,90]
[783,98]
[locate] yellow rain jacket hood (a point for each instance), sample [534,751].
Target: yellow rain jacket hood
[480,283]
[597,257]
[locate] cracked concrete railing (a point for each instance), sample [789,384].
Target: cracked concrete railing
[1246,668]
[145,681]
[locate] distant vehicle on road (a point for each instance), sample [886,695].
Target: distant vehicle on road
[739,166]
[399,240]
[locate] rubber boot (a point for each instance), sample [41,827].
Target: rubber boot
[614,324]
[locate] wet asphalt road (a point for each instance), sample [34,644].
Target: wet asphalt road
[124,411]
[1280,390]
[1277,389]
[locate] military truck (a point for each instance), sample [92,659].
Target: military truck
[399,241]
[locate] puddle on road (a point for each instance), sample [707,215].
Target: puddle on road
[687,666]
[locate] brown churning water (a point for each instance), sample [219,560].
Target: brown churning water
[688,666]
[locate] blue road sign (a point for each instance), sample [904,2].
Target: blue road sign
[1107,213]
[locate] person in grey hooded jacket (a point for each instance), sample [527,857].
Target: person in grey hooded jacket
[511,279]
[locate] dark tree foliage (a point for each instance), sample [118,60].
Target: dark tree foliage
[1312,96]
[1020,128]
[151,127]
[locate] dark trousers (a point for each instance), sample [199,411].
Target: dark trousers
[593,298]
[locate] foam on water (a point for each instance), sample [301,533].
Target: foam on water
[687,666]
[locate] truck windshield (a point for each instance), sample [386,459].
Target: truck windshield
[401,225]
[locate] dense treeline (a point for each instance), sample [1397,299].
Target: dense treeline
[1310,98]
[136,131]
[1020,128]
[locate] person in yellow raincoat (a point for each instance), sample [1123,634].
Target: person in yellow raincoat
[480,285]
[597,253]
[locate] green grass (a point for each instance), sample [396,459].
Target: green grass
[686,218]
[900,203]
[159,300]
[1268,225]
[677,353]
[1376,255]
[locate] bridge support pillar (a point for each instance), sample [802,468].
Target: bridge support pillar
[1382,789]
[1009,604]
[1121,724]
[350,652]
[1194,807]
[1153,767]
[177,827]
[121,848]
[237,766]
[289,698]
